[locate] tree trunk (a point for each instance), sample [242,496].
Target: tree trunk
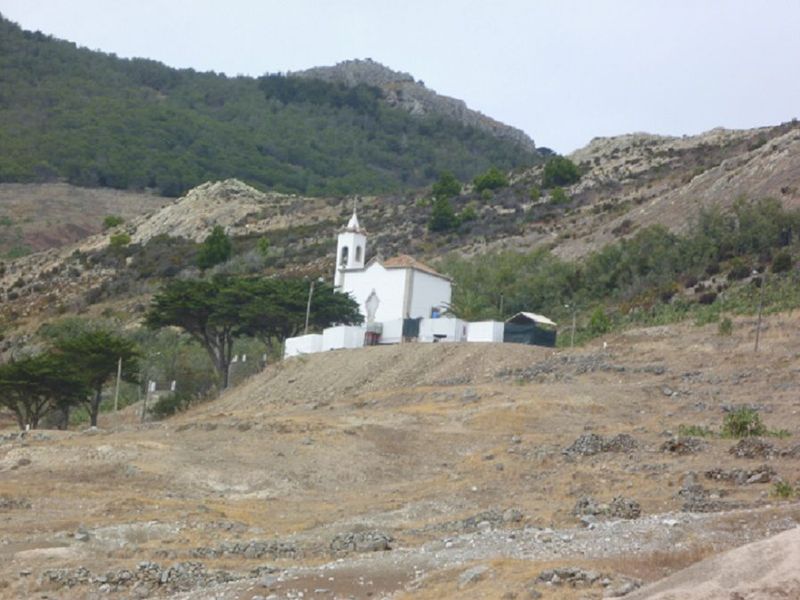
[64,424]
[94,407]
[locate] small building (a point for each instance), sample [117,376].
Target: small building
[530,328]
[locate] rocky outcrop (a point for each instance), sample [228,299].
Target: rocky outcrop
[402,91]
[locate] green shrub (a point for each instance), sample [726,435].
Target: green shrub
[468,214]
[739,269]
[743,422]
[215,249]
[695,431]
[119,240]
[781,489]
[493,179]
[535,193]
[112,221]
[447,186]
[559,170]
[725,326]
[599,322]
[443,217]
[263,247]
[559,196]
[166,406]
[782,262]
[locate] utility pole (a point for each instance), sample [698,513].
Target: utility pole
[308,306]
[572,335]
[572,331]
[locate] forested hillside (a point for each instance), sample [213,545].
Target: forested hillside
[93,119]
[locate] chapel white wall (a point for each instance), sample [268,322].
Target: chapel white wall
[387,283]
[428,291]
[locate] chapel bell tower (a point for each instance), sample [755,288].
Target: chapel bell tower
[351,249]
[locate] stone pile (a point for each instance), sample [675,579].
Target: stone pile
[361,541]
[619,508]
[252,549]
[761,474]
[590,444]
[147,579]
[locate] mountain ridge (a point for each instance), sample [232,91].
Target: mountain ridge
[92,119]
[402,90]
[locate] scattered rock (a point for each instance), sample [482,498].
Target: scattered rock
[253,549]
[621,442]
[472,575]
[683,445]
[589,444]
[761,474]
[512,515]
[361,541]
[619,508]
[572,576]
[10,503]
[793,452]
[729,408]
[698,499]
[494,517]
[625,508]
[753,447]
[144,580]
[470,395]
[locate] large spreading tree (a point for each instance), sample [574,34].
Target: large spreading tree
[216,311]
[95,353]
[33,385]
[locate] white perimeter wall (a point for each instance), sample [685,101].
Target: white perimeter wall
[392,332]
[304,344]
[454,330]
[485,331]
[343,336]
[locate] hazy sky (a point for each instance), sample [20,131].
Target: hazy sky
[564,71]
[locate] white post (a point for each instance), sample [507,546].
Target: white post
[116,391]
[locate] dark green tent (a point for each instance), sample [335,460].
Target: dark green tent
[530,328]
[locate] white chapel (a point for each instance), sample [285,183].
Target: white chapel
[387,290]
[403,300]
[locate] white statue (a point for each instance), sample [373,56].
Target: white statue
[371,304]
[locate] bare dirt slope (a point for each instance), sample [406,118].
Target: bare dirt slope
[418,471]
[47,215]
[759,570]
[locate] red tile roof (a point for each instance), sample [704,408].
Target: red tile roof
[404,261]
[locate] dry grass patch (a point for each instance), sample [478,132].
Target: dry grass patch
[659,564]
